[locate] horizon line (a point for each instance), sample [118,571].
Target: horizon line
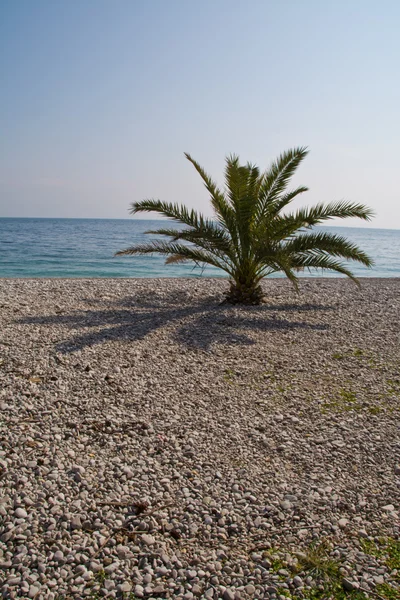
[141,219]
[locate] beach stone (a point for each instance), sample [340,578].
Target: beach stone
[8,535]
[290,497]
[59,555]
[196,590]
[33,591]
[350,585]
[250,589]
[76,523]
[109,584]
[80,569]
[159,589]
[298,582]
[149,540]
[124,552]
[139,590]
[362,533]
[111,568]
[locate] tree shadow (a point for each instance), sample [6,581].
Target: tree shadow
[195,324]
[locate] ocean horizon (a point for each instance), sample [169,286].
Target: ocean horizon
[45,247]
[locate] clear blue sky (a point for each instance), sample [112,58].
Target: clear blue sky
[100,98]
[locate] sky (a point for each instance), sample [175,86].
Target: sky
[100,99]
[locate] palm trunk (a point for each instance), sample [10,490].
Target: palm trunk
[244,291]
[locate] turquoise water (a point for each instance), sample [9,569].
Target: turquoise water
[86,247]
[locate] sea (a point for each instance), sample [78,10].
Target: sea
[34,248]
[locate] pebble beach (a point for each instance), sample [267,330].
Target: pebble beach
[155,443]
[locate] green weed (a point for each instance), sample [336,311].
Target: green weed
[387,550]
[346,400]
[229,375]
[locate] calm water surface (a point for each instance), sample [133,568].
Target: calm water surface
[86,247]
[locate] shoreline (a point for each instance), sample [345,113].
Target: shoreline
[199,278]
[157,443]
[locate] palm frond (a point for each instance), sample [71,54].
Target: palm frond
[242,185]
[284,226]
[236,183]
[334,245]
[322,261]
[285,199]
[205,227]
[210,185]
[175,234]
[273,259]
[173,249]
[277,177]
[223,212]
[176,212]
[213,239]
[334,210]
[206,230]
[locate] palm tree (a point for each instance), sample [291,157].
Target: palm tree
[251,237]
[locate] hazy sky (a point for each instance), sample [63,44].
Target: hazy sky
[100,98]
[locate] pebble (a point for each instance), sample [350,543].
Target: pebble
[350,585]
[33,591]
[250,589]
[297,581]
[149,540]
[139,591]
[111,568]
[196,590]
[76,523]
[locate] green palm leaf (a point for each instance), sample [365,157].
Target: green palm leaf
[277,178]
[176,253]
[335,210]
[334,245]
[212,239]
[285,199]
[223,212]
[322,261]
[305,218]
